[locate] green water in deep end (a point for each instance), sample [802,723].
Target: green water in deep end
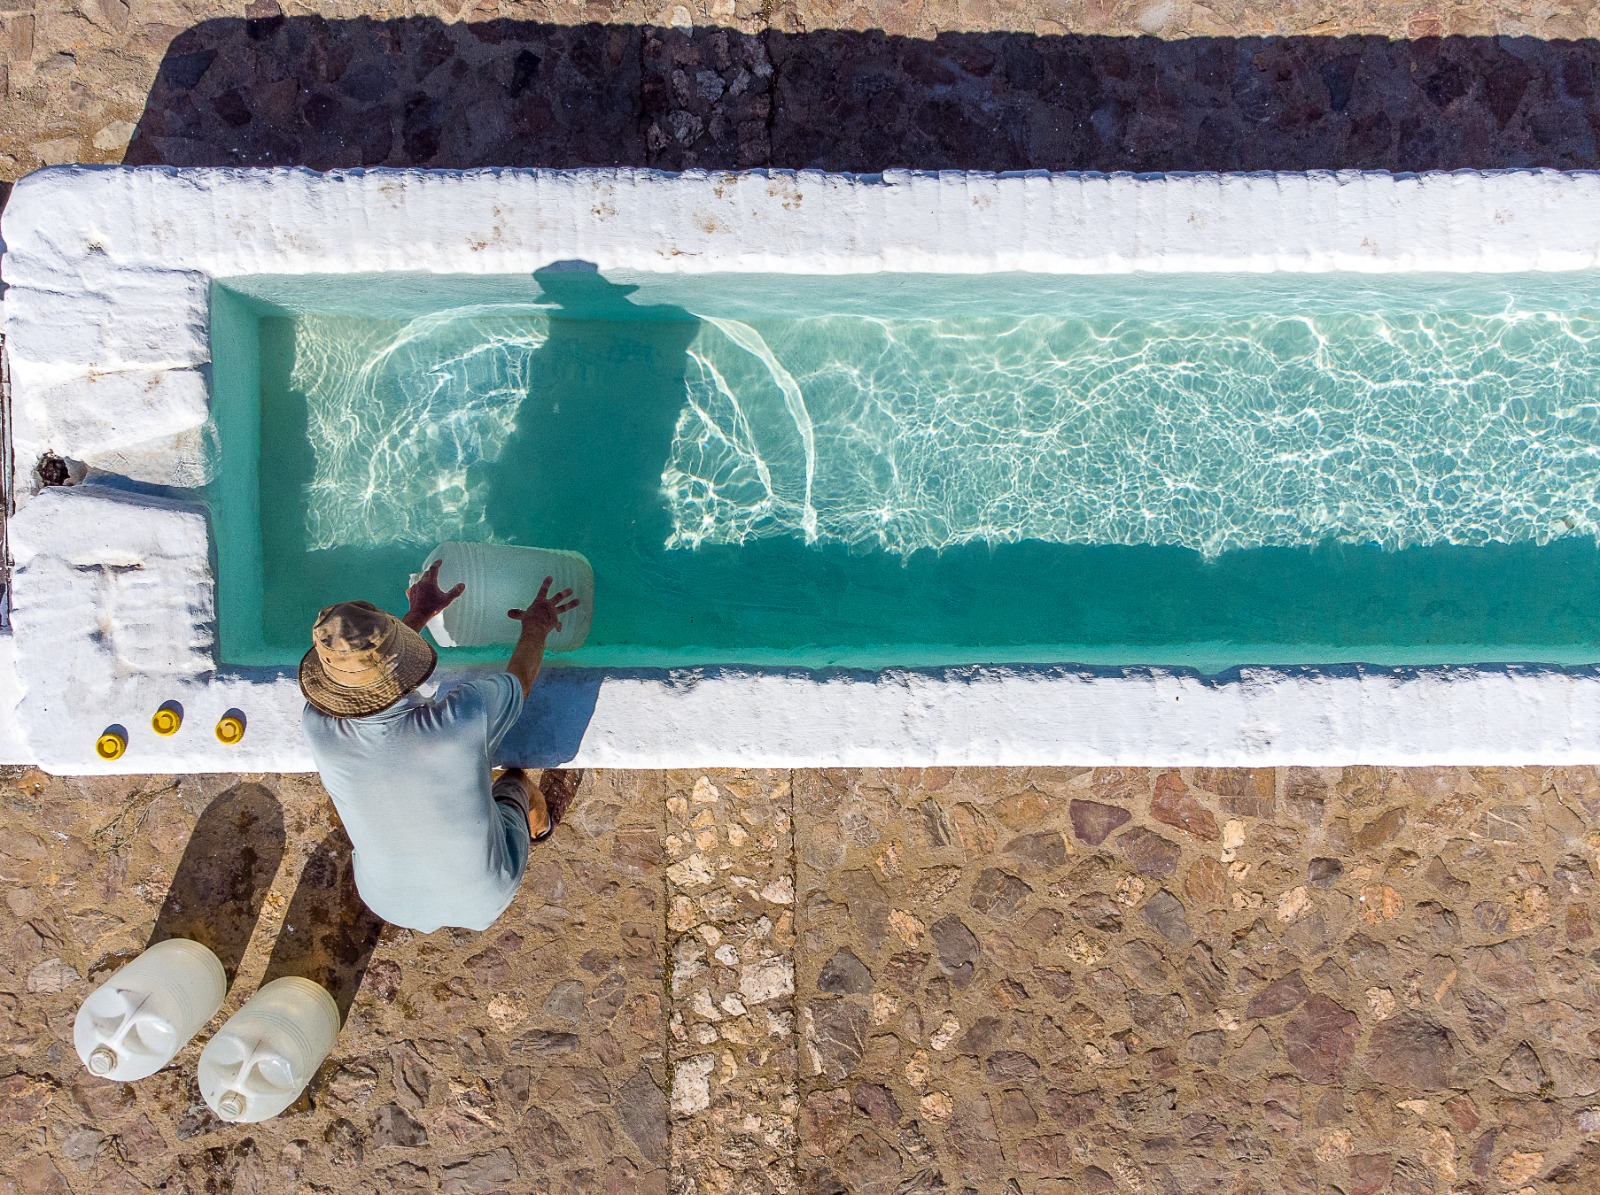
[1191,471]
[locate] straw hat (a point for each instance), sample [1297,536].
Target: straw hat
[362,660]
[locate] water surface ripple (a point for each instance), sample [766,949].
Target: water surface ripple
[1184,423]
[1399,429]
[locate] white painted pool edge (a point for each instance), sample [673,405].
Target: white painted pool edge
[106,322]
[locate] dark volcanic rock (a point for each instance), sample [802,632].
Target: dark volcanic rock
[844,974]
[1320,1038]
[1150,854]
[1092,821]
[1412,1053]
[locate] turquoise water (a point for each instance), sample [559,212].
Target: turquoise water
[1191,470]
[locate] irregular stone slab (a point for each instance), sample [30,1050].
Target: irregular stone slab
[643,1110]
[1173,804]
[1278,997]
[999,893]
[836,1037]
[1150,854]
[1413,1053]
[1092,821]
[844,973]
[491,1171]
[1320,1038]
[1046,848]
[958,948]
[1164,912]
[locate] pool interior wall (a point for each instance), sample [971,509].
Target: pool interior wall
[595,444]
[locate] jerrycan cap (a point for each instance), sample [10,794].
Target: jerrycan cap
[166,720]
[102,1060]
[113,741]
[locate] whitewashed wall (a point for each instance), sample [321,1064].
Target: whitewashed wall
[106,322]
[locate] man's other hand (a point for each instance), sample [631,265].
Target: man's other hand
[544,612]
[427,599]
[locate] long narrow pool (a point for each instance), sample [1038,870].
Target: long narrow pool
[1196,470]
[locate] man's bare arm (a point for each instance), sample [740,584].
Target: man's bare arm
[542,616]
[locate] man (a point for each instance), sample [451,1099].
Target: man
[437,841]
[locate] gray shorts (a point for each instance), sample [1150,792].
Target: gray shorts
[511,803]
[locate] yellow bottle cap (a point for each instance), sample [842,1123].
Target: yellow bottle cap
[166,720]
[110,745]
[230,729]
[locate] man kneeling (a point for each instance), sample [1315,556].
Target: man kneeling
[438,841]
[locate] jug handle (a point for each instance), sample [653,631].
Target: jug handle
[129,1019]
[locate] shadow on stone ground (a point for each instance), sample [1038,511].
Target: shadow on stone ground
[226,871]
[418,92]
[327,935]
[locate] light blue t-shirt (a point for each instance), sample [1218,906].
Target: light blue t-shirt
[412,786]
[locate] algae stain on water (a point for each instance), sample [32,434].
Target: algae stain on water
[1199,474]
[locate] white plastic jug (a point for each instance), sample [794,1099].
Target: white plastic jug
[501,577]
[262,1058]
[135,1023]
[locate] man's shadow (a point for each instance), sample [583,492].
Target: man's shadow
[226,871]
[581,470]
[328,934]
[222,881]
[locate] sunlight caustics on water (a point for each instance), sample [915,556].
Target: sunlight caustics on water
[397,416]
[1173,470]
[1271,431]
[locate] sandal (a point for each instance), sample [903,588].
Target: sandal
[558,787]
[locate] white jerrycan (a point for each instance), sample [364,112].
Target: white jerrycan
[501,577]
[135,1023]
[262,1058]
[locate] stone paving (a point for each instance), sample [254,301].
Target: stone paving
[1014,981]
[529,1058]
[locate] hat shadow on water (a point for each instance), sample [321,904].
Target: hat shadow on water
[227,869]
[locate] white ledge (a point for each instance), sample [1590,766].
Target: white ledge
[107,327]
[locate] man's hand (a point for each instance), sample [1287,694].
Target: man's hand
[542,616]
[427,599]
[544,612]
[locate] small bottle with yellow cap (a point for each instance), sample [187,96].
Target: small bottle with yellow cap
[230,728]
[113,741]
[167,719]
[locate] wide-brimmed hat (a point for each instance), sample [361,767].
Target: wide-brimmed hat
[362,660]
